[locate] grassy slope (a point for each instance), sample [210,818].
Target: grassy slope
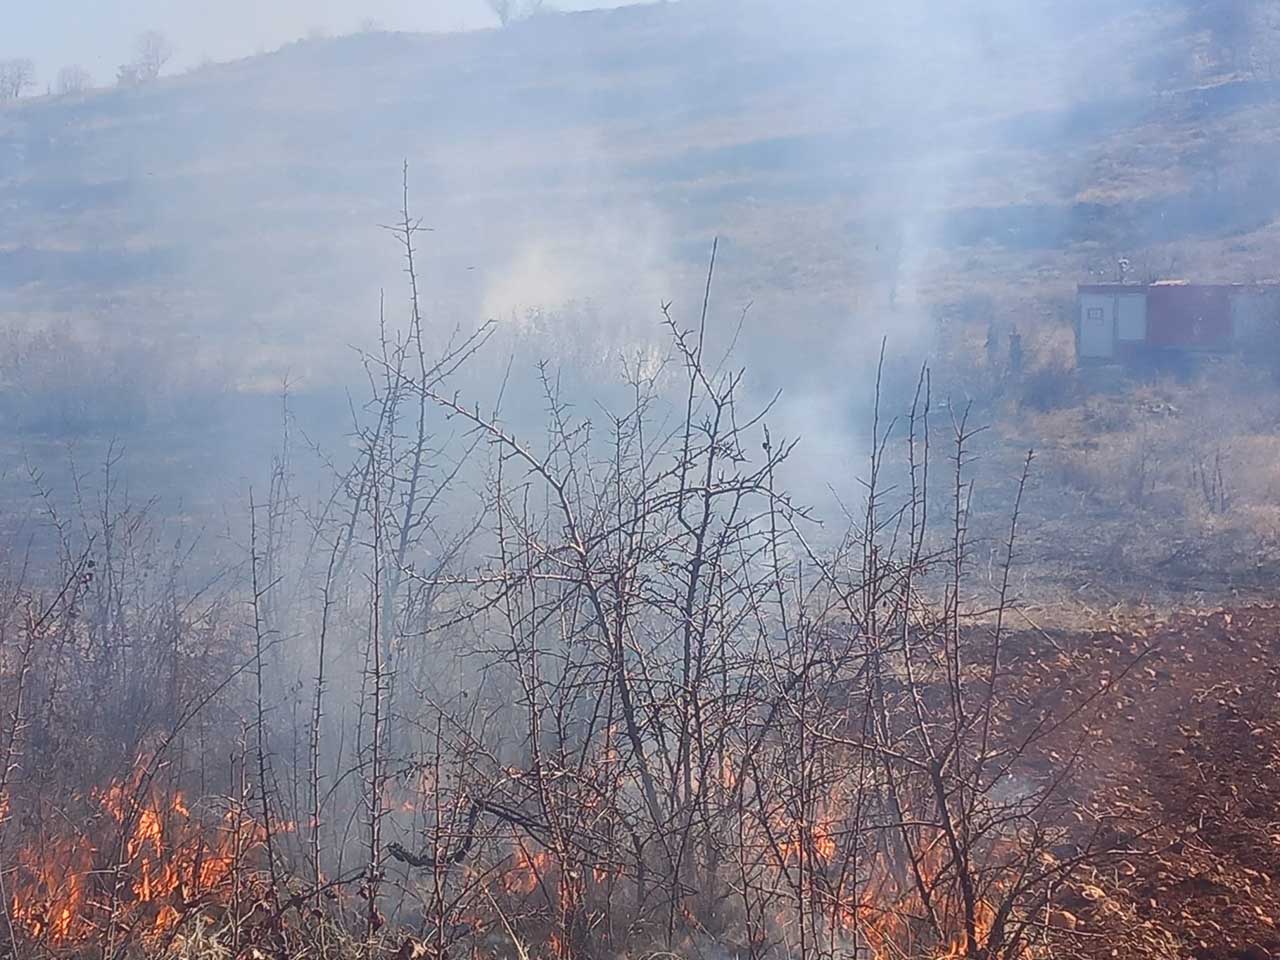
[831,156]
[896,173]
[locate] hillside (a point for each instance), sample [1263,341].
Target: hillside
[734,560]
[846,159]
[172,254]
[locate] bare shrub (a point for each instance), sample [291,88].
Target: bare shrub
[508,11]
[714,744]
[1052,385]
[73,80]
[17,76]
[1075,470]
[1208,478]
[151,52]
[615,693]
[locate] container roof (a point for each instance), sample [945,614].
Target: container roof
[1131,287]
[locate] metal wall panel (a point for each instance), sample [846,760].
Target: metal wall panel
[1097,326]
[1190,317]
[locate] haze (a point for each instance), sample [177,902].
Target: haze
[754,479]
[98,34]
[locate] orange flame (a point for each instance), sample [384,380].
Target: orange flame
[158,863]
[526,871]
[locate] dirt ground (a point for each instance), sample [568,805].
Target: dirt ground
[1187,761]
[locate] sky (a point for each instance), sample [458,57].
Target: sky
[98,35]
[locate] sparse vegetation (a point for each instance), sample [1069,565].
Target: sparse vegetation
[609,713]
[17,76]
[599,625]
[152,51]
[508,11]
[73,80]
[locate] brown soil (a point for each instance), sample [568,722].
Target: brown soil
[1187,757]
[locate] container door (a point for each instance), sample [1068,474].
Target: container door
[1097,329]
[1131,318]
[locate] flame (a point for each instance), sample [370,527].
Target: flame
[526,870]
[817,836]
[868,905]
[414,793]
[883,925]
[51,905]
[155,864]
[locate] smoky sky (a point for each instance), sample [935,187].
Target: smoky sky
[98,34]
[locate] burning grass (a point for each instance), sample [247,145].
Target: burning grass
[1181,761]
[135,864]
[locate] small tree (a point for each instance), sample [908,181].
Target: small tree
[504,10]
[508,11]
[152,51]
[16,77]
[73,80]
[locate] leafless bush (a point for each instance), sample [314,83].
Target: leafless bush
[1050,386]
[630,697]
[508,11]
[1207,477]
[727,733]
[73,80]
[152,51]
[17,75]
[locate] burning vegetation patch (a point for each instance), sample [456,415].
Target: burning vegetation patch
[159,865]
